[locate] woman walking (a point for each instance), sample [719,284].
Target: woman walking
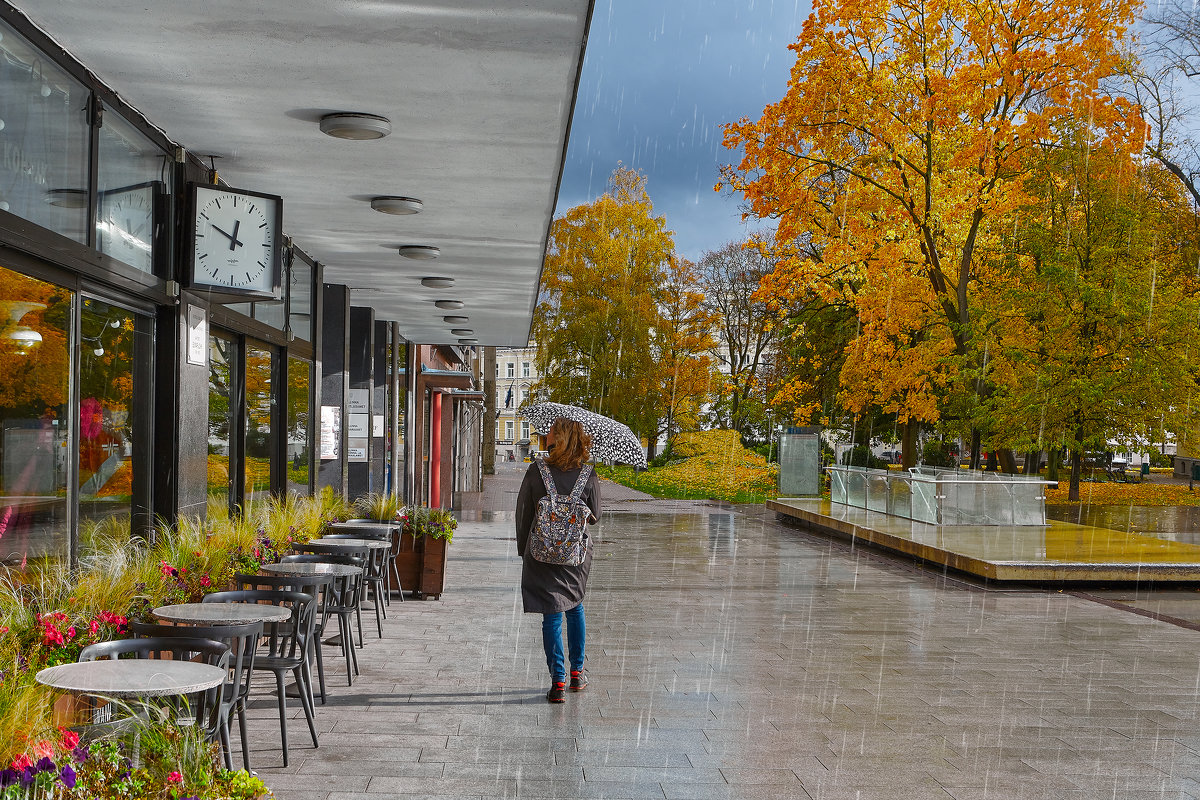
[552,589]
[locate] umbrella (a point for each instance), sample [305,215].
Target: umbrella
[611,440]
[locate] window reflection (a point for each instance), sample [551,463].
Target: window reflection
[299,411]
[260,400]
[44,141]
[133,176]
[222,366]
[35,320]
[107,392]
[300,278]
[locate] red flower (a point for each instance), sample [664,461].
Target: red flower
[175,777]
[70,739]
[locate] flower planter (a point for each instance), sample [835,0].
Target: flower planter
[421,564]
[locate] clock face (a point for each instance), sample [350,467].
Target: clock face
[236,241]
[126,225]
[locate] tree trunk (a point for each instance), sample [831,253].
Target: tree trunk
[992,463]
[1052,465]
[1008,462]
[1031,462]
[1076,467]
[976,444]
[908,445]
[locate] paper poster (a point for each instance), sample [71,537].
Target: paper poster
[197,336]
[331,432]
[377,429]
[359,401]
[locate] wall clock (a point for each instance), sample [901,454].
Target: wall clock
[236,242]
[126,224]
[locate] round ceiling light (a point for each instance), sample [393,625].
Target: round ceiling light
[420,252]
[463,332]
[397,205]
[355,126]
[67,198]
[437,283]
[468,341]
[449,305]
[456,320]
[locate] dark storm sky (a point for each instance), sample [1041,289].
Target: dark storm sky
[660,78]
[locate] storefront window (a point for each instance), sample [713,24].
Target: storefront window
[300,278]
[259,402]
[35,329]
[43,140]
[134,180]
[108,392]
[299,408]
[222,367]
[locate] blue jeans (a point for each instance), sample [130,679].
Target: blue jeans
[552,641]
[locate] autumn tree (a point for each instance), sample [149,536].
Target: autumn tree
[682,342]
[897,152]
[747,326]
[606,263]
[1093,332]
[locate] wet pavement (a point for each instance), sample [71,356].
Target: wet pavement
[732,656]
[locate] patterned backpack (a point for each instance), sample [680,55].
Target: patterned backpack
[559,534]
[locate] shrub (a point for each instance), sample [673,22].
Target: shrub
[937,453]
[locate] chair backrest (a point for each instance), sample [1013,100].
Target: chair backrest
[375,558]
[345,589]
[382,533]
[207,706]
[284,639]
[242,640]
[325,549]
[319,586]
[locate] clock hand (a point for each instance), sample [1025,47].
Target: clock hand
[226,235]
[233,240]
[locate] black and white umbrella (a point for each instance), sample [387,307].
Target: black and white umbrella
[611,440]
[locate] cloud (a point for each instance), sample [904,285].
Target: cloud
[660,79]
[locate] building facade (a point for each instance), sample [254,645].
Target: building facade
[516,382]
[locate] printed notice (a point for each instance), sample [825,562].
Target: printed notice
[377,425]
[358,426]
[359,401]
[331,432]
[197,336]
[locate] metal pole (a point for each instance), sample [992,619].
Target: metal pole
[412,363]
[396,484]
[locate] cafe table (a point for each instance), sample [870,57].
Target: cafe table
[132,677]
[222,613]
[312,568]
[355,544]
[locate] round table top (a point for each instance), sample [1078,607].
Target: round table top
[222,613]
[365,526]
[133,677]
[311,568]
[356,544]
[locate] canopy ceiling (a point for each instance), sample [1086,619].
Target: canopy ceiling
[479,94]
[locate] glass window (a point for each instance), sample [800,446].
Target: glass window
[508,429]
[300,312]
[111,339]
[524,430]
[222,367]
[134,180]
[35,328]
[524,394]
[299,412]
[524,369]
[512,369]
[260,401]
[44,140]
[270,312]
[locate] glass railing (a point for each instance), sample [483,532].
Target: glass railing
[943,496]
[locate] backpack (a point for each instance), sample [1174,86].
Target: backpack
[559,534]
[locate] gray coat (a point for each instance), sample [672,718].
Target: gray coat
[546,588]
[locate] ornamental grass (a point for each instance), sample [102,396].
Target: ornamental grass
[707,465]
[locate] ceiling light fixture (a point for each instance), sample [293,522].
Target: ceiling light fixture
[463,332]
[468,341]
[437,283]
[456,320]
[420,252]
[397,205]
[449,305]
[67,198]
[349,125]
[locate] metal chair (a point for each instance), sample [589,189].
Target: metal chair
[364,556]
[284,648]
[342,602]
[384,531]
[242,641]
[202,709]
[376,571]
[319,586]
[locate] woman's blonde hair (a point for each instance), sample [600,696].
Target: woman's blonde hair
[572,445]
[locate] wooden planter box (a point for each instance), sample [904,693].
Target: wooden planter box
[422,566]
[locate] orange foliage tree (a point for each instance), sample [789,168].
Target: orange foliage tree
[896,154]
[682,341]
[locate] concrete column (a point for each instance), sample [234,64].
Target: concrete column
[359,405]
[335,387]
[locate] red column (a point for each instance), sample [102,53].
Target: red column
[435,452]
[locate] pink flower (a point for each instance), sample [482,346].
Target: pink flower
[21,762]
[94,627]
[205,582]
[70,739]
[71,632]
[43,749]
[175,777]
